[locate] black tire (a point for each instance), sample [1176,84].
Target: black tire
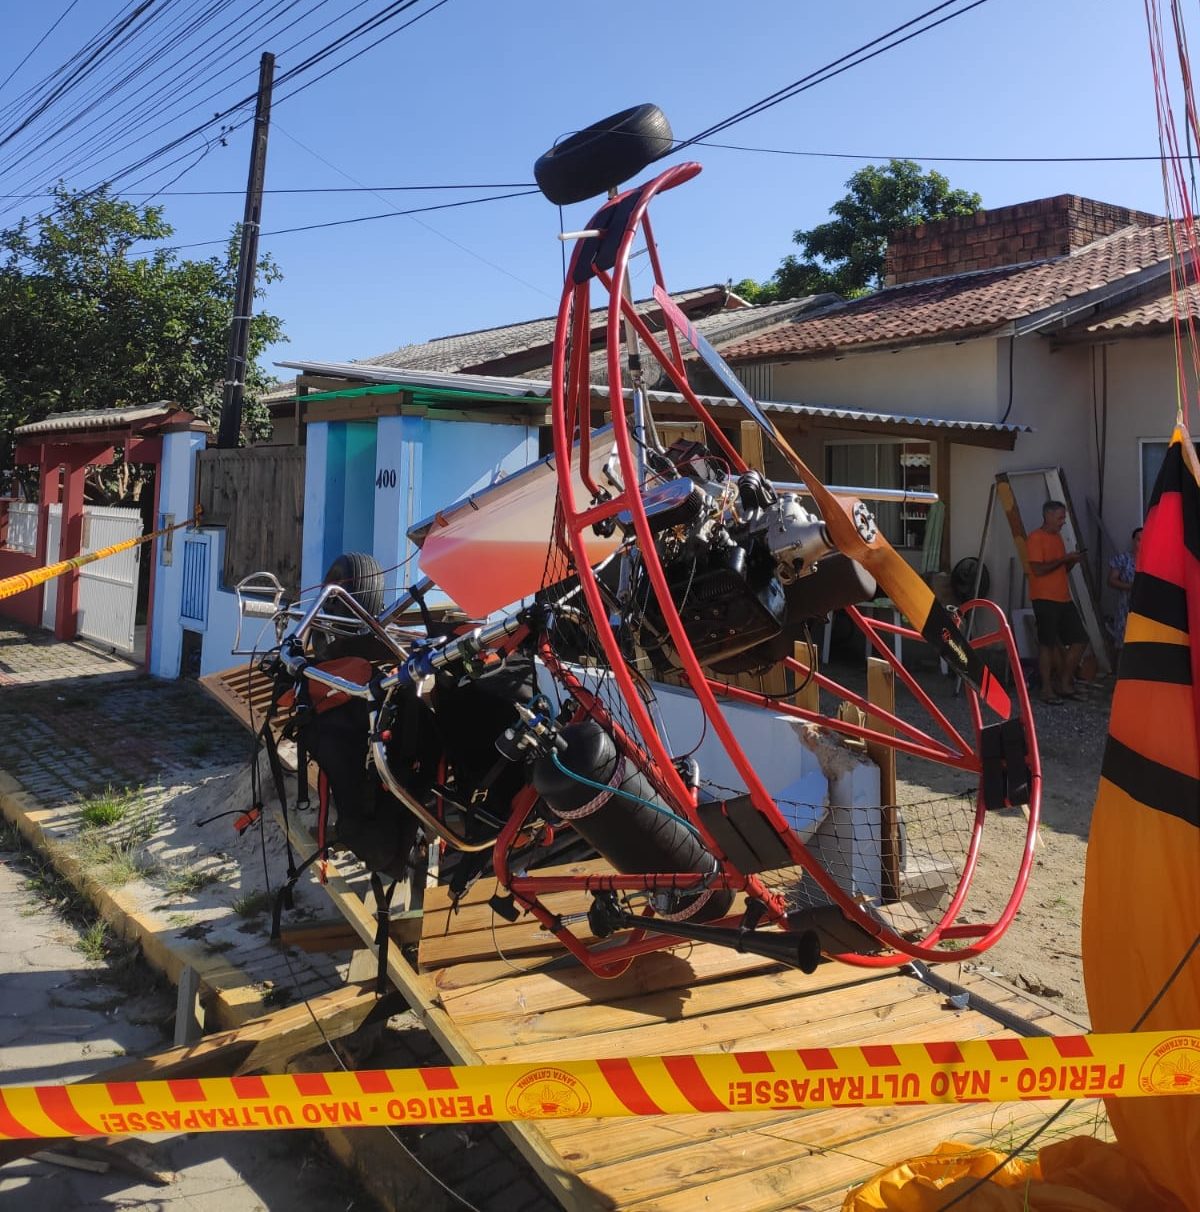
[360,575]
[962,579]
[610,151]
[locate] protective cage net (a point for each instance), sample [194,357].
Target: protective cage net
[901,864]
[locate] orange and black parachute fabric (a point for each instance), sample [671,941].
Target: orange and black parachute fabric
[1141,908]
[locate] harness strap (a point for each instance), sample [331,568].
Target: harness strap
[322,824]
[383,935]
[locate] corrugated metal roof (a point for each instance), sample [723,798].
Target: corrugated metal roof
[96,418]
[493,385]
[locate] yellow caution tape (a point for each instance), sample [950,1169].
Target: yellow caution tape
[38,576]
[871,1075]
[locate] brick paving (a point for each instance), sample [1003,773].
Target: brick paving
[74,722]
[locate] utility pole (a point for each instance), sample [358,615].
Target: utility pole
[243,304]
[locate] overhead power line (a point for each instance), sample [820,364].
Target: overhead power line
[389,214]
[834,68]
[33,49]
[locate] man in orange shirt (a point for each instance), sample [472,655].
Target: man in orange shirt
[1058,623]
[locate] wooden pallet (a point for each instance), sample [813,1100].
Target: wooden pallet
[492,991]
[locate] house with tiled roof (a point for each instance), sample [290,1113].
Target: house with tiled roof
[524,349]
[1049,320]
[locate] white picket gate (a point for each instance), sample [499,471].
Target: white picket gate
[108,589]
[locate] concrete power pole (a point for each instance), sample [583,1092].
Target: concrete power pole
[243,305]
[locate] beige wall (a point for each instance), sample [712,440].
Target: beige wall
[1051,393]
[1141,406]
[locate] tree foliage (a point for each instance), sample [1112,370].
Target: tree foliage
[846,254]
[88,322]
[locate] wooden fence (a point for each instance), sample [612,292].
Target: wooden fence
[257,494]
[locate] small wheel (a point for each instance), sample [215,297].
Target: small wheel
[962,579]
[360,575]
[610,151]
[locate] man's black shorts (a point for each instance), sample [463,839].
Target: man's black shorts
[1057,623]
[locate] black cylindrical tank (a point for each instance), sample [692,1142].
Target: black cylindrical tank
[634,837]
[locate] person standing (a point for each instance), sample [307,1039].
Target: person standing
[1058,623]
[1121,570]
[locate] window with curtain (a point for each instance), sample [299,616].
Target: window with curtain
[887,463]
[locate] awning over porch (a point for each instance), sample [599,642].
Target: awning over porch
[433,388]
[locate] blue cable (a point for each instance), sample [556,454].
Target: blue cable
[579,778]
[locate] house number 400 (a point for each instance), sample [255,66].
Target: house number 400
[386,478]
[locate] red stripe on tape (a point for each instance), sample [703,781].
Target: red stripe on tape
[625,1085]
[187,1090]
[10,1126]
[692,1083]
[310,1083]
[1008,1049]
[125,1094]
[944,1054]
[374,1081]
[1072,1045]
[878,1055]
[754,1062]
[249,1087]
[439,1079]
[817,1058]
[56,1103]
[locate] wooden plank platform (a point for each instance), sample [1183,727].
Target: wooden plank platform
[527,1002]
[490,991]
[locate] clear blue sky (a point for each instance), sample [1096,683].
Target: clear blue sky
[476,90]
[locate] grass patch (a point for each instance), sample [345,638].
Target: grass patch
[117,859]
[252,904]
[201,747]
[177,921]
[93,941]
[182,881]
[10,836]
[109,806]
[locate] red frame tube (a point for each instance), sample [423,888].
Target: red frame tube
[571,416]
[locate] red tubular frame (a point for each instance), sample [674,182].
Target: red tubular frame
[571,421]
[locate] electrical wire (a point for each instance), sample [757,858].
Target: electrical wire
[370,26]
[834,68]
[391,214]
[316,189]
[28,54]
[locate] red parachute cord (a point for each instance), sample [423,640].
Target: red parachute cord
[1183,242]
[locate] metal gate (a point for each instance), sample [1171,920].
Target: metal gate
[108,589]
[50,592]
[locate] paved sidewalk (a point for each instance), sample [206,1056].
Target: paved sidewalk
[64,1017]
[73,723]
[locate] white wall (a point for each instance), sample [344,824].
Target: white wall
[176,494]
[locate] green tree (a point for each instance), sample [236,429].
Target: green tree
[846,254]
[87,322]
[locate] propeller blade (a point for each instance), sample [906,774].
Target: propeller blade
[852,527]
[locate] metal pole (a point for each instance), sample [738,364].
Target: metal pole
[243,305]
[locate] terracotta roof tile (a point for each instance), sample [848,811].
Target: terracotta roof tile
[1157,311]
[967,303]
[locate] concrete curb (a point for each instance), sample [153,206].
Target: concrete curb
[229,995]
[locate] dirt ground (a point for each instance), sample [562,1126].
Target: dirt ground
[1041,951]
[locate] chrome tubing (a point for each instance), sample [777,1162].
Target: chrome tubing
[897,495]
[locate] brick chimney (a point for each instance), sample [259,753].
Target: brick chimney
[1009,235]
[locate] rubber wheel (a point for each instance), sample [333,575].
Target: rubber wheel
[962,579]
[610,151]
[360,575]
